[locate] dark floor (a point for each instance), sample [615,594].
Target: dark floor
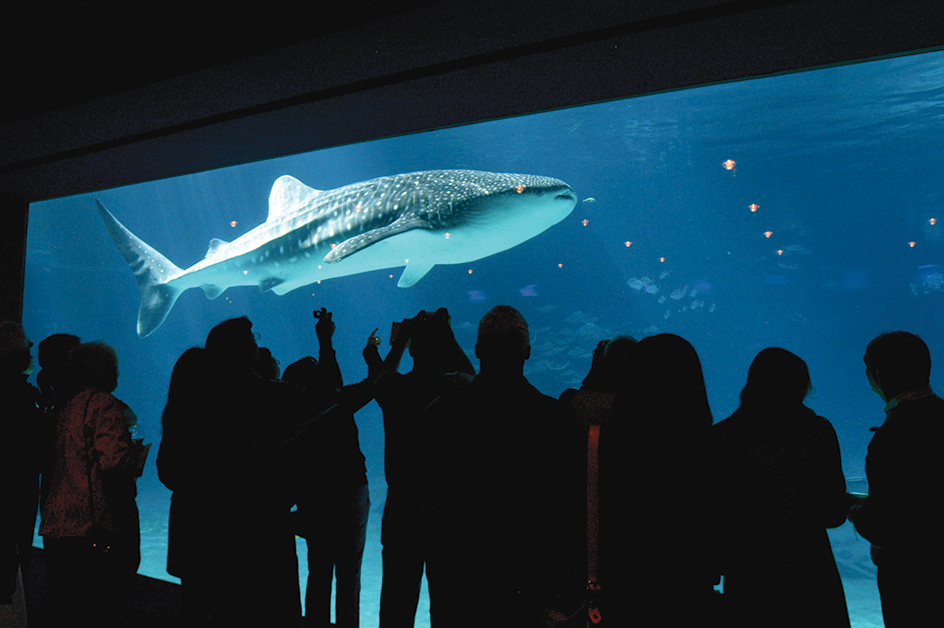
[153,602]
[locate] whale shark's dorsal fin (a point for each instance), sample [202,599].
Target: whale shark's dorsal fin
[215,244]
[289,194]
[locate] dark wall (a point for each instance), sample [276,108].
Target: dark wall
[12,257]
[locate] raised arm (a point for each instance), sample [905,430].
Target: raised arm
[327,359]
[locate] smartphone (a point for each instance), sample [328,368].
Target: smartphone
[394,331]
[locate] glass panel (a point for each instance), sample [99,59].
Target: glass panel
[801,211]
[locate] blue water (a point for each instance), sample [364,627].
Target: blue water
[846,241]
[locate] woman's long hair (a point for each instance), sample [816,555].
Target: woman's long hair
[777,379]
[669,381]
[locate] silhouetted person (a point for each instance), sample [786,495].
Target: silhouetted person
[905,476]
[780,485]
[439,367]
[592,407]
[267,367]
[20,446]
[188,464]
[89,515]
[653,463]
[251,546]
[610,369]
[501,471]
[53,378]
[330,482]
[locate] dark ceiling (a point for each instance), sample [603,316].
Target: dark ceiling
[105,94]
[68,52]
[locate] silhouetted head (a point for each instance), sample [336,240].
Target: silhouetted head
[15,357]
[302,373]
[94,365]
[431,340]
[54,351]
[188,382]
[267,367]
[617,361]
[777,378]
[503,338]
[53,379]
[670,380]
[232,345]
[898,362]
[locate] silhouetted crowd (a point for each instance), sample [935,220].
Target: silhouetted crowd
[619,504]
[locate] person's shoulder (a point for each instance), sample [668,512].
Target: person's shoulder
[820,421]
[101,401]
[532,395]
[546,405]
[924,415]
[936,404]
[568,395]
[455,398]
[726,426]
[98,398]
[821,428]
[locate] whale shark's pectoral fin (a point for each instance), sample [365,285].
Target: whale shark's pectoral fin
[212,291]
[364,240]
[413,272]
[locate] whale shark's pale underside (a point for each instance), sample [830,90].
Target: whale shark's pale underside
[416,220]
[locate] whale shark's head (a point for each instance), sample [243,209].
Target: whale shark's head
[500,210]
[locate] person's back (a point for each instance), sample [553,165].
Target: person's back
[500,493]
[904,470]
[20,453]
[259,582]
[89,496]
[780,485]
[903,477]
[503,477]
[652,489]
[403,396]
[329,478]
[408,518]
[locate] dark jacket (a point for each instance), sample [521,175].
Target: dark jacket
[905,477]
[504,471]
[780,485]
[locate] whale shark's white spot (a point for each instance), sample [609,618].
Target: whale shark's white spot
[358,228]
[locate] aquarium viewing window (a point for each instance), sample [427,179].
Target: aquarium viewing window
[803,211]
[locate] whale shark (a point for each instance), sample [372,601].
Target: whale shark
[415,220]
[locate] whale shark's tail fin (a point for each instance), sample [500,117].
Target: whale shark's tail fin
[152,270]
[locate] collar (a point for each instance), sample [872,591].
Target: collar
[894,402]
